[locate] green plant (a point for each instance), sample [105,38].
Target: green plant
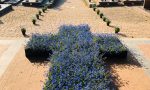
[90,6]
[40,12]
[108,22]
[98,11]
[101,15]
[94,8]
[117,29]
[45,7]
[43,10]
[93,5]
[23,30]
[37,16]
[104,18]
[34,21]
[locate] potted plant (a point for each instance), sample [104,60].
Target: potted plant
[117,29]
[23,30]
[34,21]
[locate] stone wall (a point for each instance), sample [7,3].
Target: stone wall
[147,4]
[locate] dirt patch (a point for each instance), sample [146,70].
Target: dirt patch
[145,48]
[3,48]
[21,74]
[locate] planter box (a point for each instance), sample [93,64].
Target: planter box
[37,54]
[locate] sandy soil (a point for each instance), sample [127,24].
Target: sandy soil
[3,48]
[145,48]
[67,13]
[133,21]
[22,74]
[130,77]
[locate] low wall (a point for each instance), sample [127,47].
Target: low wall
[5,9]
[147,4]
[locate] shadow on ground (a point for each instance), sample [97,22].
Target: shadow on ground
[121,34]
[39,61]
[1,22]
[127,63]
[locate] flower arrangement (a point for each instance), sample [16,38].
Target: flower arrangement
[76,64]
[110,46]
[77,59]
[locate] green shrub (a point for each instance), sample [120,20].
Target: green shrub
[45,7]
[90,6]
[98,11]
[101,15]
[34,21]
[23,30]
[93,5]
[43,10]
[108,22]
[94,8]
[117,29]
[37,16]
[104,18]
[40,12]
